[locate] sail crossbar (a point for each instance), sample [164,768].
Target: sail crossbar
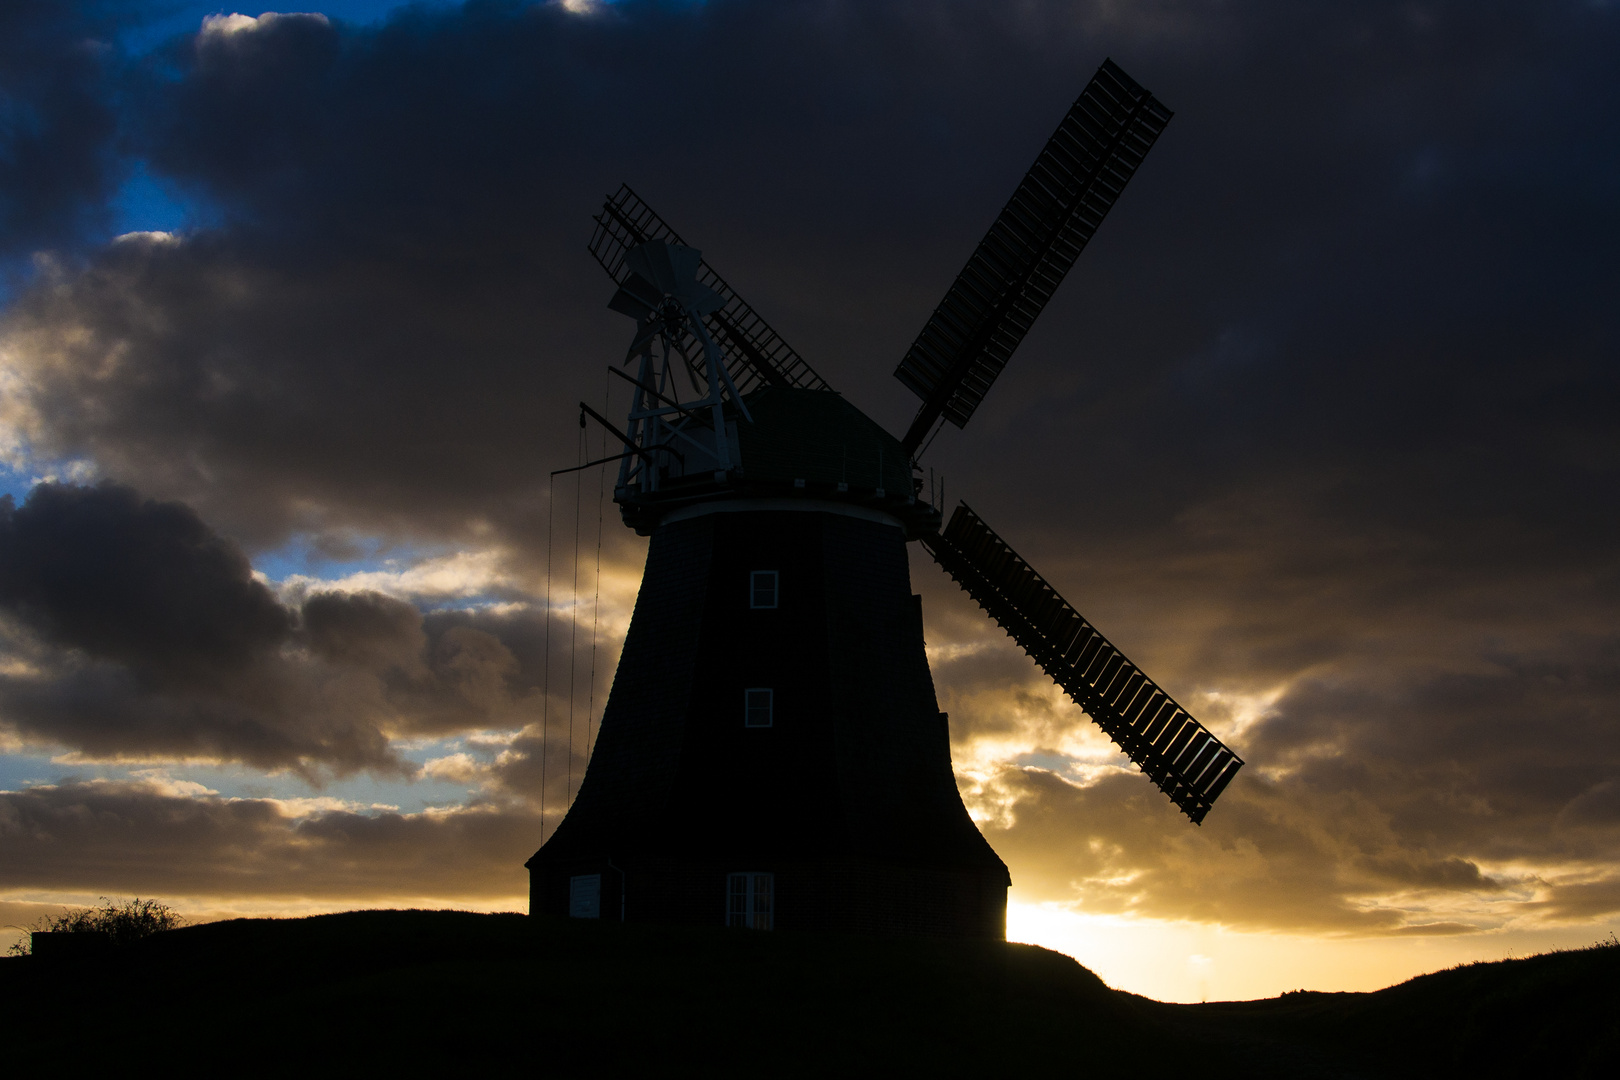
[755,354]
[1019,264]
[1180,755]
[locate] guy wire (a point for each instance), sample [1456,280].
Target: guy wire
[596,600]
[573,614]
[545,682]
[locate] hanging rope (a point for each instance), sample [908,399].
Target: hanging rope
[573,611]
[581,445]
[545,682]
[596,600]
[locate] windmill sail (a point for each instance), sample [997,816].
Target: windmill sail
[755,354]
[1177,752]
[1023,258]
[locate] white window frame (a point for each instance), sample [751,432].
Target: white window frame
[751,900]
[751,708]
[754,581]
[585,896]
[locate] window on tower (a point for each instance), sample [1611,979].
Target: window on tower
[759,705]
[762,589]
[750,900]
[585,896]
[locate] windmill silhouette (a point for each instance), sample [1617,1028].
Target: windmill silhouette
[772,753]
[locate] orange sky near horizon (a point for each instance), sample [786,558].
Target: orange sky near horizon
[1172,962]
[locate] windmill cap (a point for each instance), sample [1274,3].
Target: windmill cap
[804,446]
[817,437]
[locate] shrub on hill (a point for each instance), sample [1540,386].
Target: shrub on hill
[122,922]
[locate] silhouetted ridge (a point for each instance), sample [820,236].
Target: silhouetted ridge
[417,990]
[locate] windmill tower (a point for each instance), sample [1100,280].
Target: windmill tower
[772,753]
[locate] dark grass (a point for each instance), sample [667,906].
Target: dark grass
[413,992]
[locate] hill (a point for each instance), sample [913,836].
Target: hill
[414,991]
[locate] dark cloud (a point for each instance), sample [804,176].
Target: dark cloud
[57,121]
[143,635]
[1372,249]
[142,583]
[144,837]
[246,110]
[146,635]
[1582,900]
[366,630]
[275,718]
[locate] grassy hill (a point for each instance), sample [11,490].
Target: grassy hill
[412,992]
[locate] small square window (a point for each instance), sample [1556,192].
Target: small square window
[749,901]
[585,896]
[762,589]
[758,707]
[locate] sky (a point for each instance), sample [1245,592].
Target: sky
[1323,430]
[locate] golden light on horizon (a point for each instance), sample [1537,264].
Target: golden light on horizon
[1193,962]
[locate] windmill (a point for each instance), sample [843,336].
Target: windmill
[772,753]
